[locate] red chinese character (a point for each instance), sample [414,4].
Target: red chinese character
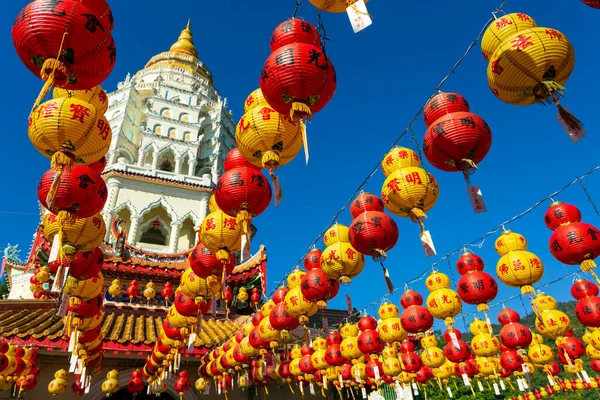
[393,185]
[523,17]
[350,253]
[79,112]
[104,128]
[266,113]
[249,101]
[332,234]
[433,303]
[503,268]
[210,224]
[294,300]
[102,97]
[47,109]
[522,42]
[230,223]
[243,124]
[502,22]
[554,34]
[333,255]
[389,160]
[445,299]
[96,222]
[403,154]
[535,263]
[496,68]
[517,266]
[413,177]
[551,322]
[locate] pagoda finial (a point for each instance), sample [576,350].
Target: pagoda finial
[185,43]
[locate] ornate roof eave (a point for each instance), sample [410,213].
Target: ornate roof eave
[147,178]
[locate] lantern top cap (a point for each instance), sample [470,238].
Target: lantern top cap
[185,42]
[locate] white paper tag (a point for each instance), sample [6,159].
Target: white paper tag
[191,340]
[54,250]
[574,134]
[364,392]
[72,340]
[449,391]
[73,364]
[520,384]
[78,367]
[218,389]
[466,381]
[454,340]
[57,280]
[496,390]
[207,391]
[525,369]
[525,385]
[245,247]
[277,192]
[359,16]
[64,305]
[477,202]
[502,385]
[427,244]
[586,377]
[376,373]
[305,141]
[301,387]
[399,392]
[341,381]
[88,384]
[480,386]
[550,380]
[324,381]
[312,388]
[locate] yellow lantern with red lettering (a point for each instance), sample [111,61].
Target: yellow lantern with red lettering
[198,288]
[221,234]
[212,204]
[342,262]
[437,280]
[295,278]
[408,191]
[74,235]
[390,329]
[501,29]
[539,353]
[266,331]
[297,305]
[443,302]
[336,233]
[444,371]
[487,365]
[95,96]
[517,267]
[432,356]
[551,323]
[266,138]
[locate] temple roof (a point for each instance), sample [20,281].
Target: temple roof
[119,327]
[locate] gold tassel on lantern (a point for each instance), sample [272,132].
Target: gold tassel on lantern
[53,65]
[302,109]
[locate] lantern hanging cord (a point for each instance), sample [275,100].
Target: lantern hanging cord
[298,3]
[501,226]
[589,198]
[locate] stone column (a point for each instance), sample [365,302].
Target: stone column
[133,229]
[196,236]
[203,211]
[113,194]
[108,219]
[174,237]
[155,160]
[140,160]
[177,165]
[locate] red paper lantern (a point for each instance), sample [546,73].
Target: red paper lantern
[468,367]
[411,298]
[255,297]
[515,336]
[182,384]
[575,242]
[372,366]
[407,347]
[560,213]
[83,265]
[595,365]
[346,371]
[257,317]
[582,289]
[511,360]
[239,356]
[416,319]
[333,355]
[507,315]
[87,308]
[81,191]
[281,320]
[313,259]
[185,305]
[448,337]
[469,262]
[305,350]
[295,31]
[365,202]
[79,31]
[574,348]
[279,295]
[99,165]
[171,332]
[369,342]
[423,375]
[411,362]
[204,262]
[298,79]
[592,3]
[367,323]
[334,337]
[306,365]
[477,288]
[317,287]
[256,341]
[442,104]
[373,233]
[457,355]
[587,311]
[457,142]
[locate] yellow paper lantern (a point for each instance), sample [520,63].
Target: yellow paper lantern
[58,385]
[334,6]
[487,365]
[111,384]
[484,345]
[296,351]
[297,305]
[544,302]
[429,341]
[221,234]
[520,268]
[337,233]
[78,235]
[348,329]
[510,241]
[267,308]
[295,367]
[553,324]
[391,330]
[501,29]
[342,262]
[85,289]
[255,99]
[266,331]
[268,139]
[389,351]
[295,278]
[444,304]
[478,326]
[179,320]
[410,192]
[540,353]
[95,96]
[319,343]
[437,280]
[198,288]
[83,324]
[397,158]
[317,359]
[592,352]
[149,291]
[359,370]
[388,310]
[349,348]
[246,348]
[115,288]
[530,66]
[433,357]
[70,131]
[391,366]
[444,371]
[212,204]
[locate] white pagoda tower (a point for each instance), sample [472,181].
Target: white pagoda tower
[171,132]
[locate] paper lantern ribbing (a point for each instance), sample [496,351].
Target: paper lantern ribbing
[443,104]
[317,287]
[390,328]
[483,343]
[298,79]
[592,3]
[475,286]
[517,267]
[442,302]
[340,260]
[456,141]
[408,191]
[334,6]
[221,234]
[83,234]
[572,242]
[502,28]
[415,318]
[587,309]
[530,65]
[295,31]
[71,46]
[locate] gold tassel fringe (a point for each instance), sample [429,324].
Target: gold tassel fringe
[300,110]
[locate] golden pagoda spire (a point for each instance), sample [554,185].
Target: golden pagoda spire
[185,43]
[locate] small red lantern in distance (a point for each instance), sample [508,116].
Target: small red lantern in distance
[442,104]
[81,32]
[477,288]
[295,31]
[313,259]
[469,262]
[298,78]
[411,298]
[317,287]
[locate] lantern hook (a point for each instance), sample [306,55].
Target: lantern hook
[298,3]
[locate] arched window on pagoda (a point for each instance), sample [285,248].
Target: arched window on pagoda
[165,113]
[155,227]
[184,117]
[187,235]
[149,157]
[157,129]
[185,165]
[173,133]
[166,161]
[154,234]
[187,136]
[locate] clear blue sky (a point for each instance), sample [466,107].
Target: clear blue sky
[384,75]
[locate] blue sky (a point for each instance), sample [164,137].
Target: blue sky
[385,74]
